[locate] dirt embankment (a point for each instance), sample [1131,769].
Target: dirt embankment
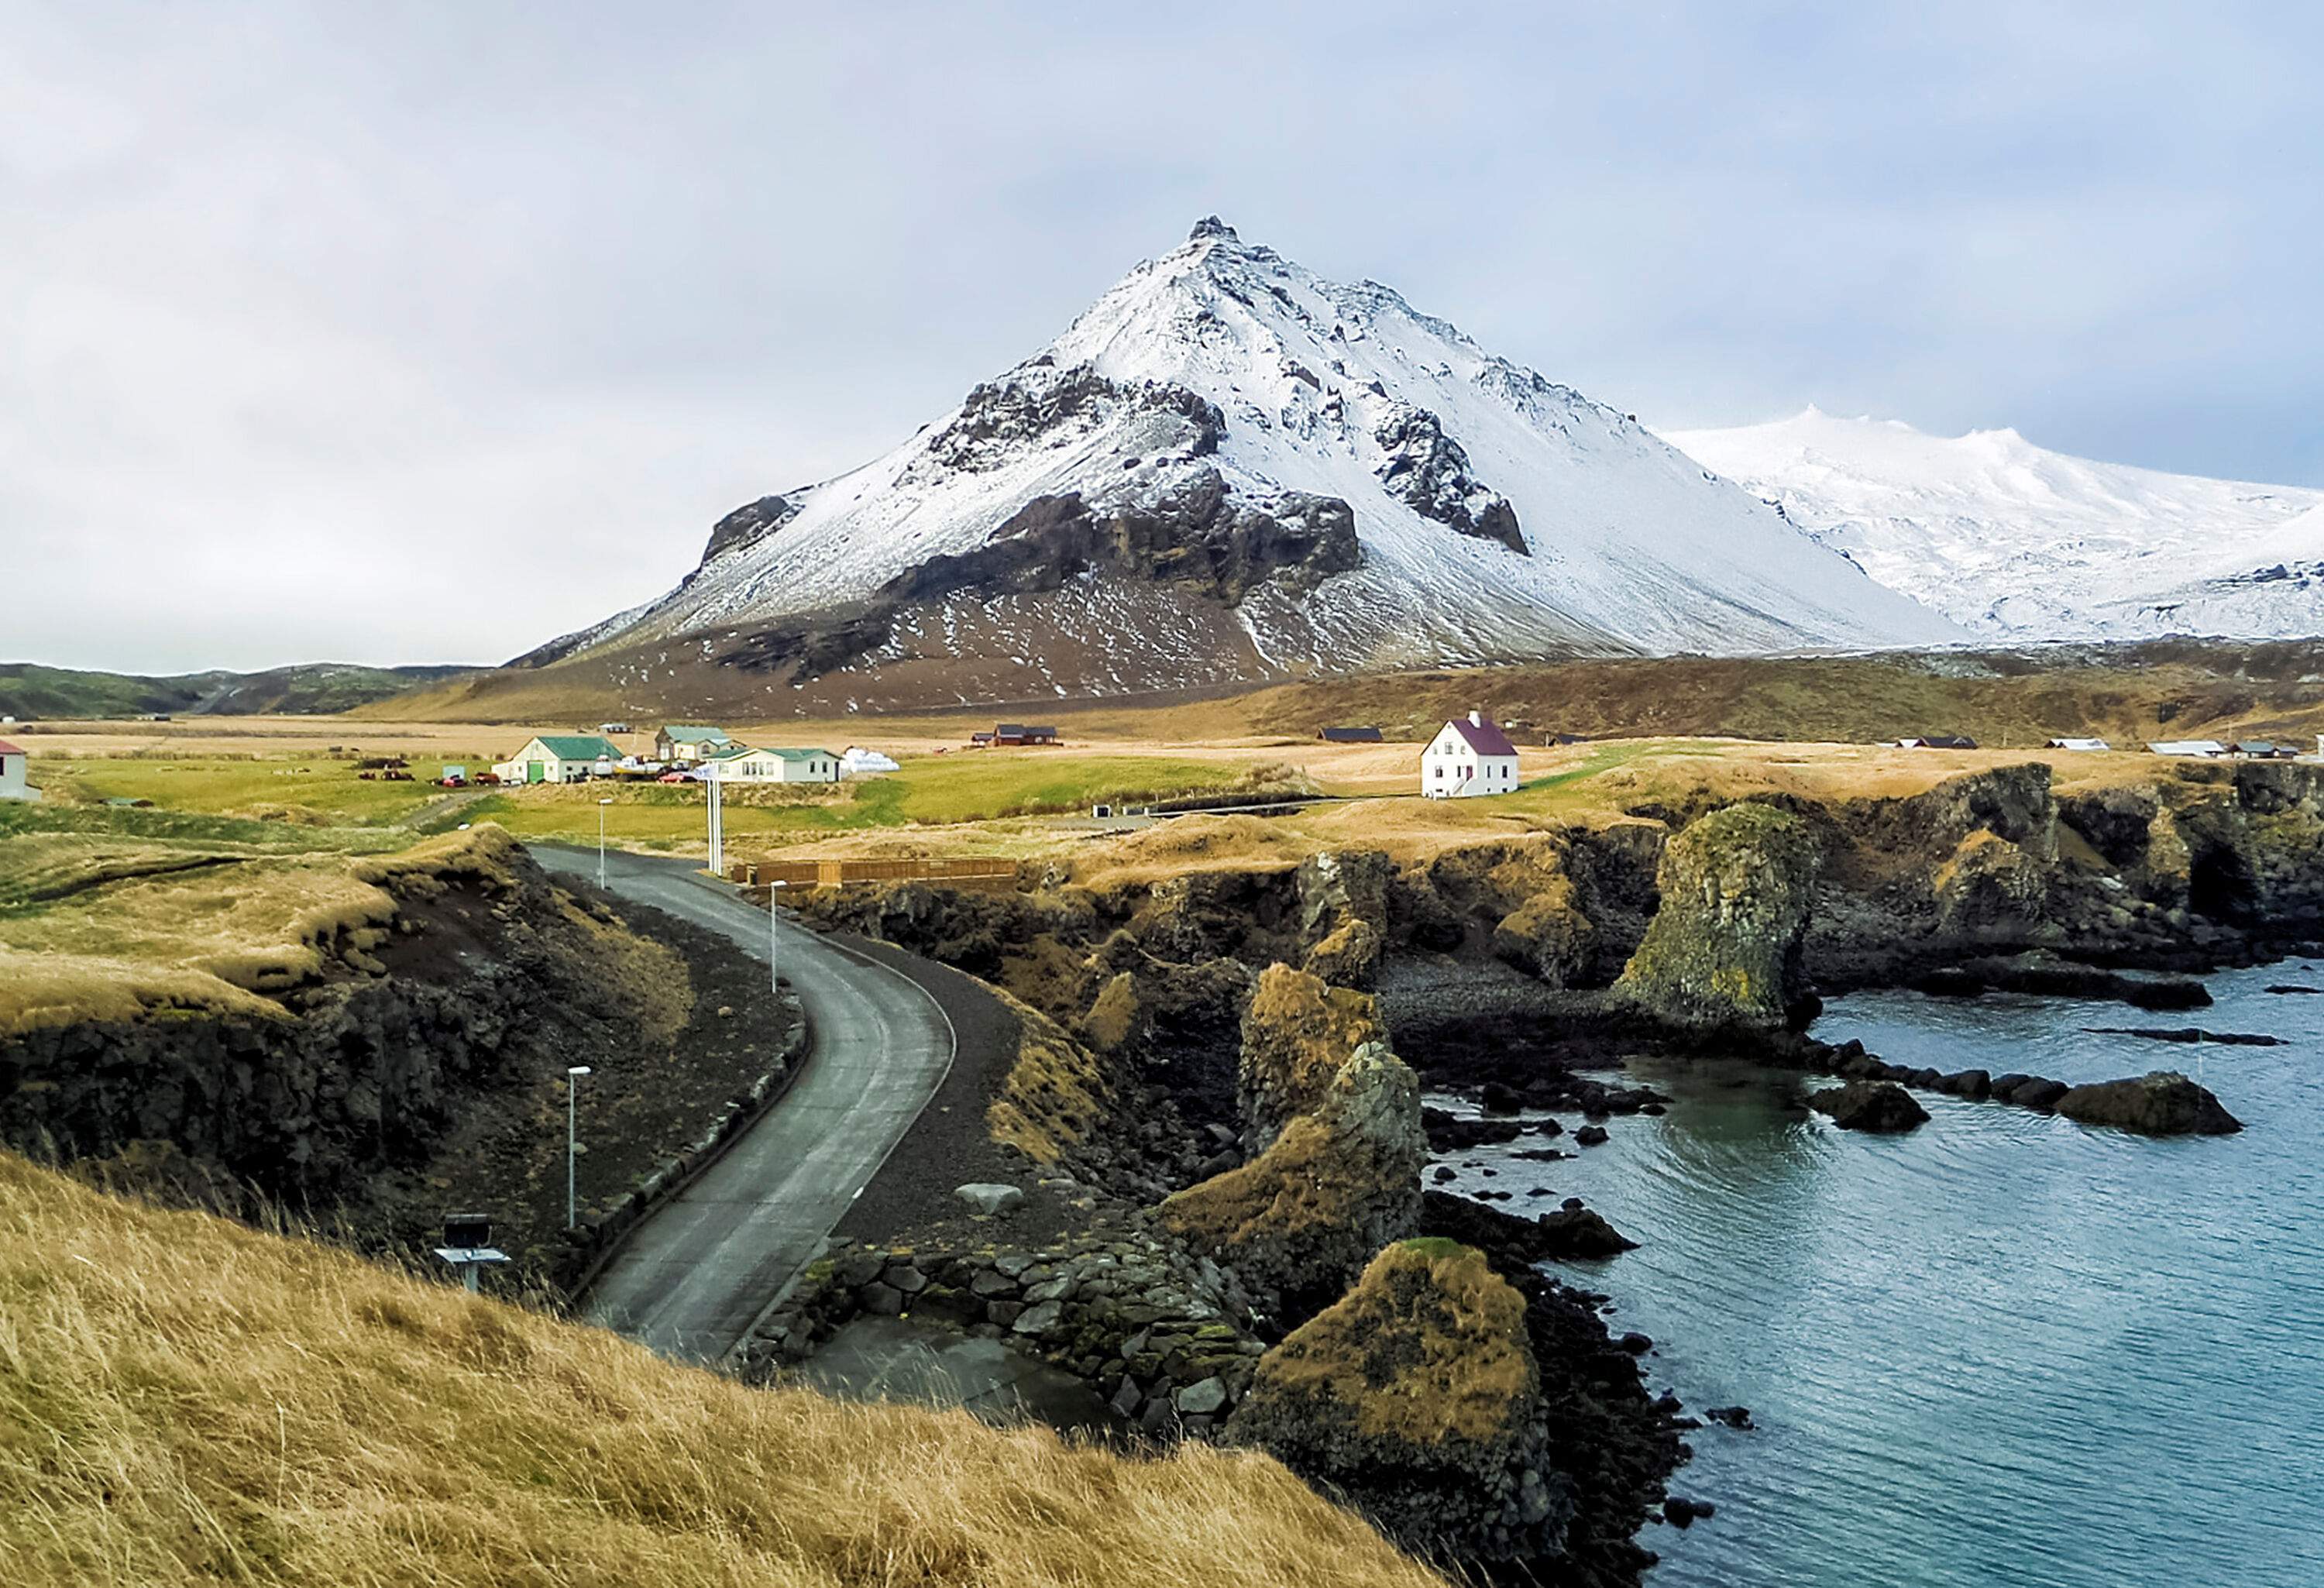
[417,1065]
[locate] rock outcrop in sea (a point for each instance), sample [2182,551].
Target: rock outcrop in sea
[1724,950]
[2162,1104]
[1418,1396]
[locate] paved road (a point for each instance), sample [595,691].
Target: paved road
[690,1280]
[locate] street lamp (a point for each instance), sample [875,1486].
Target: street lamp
[774,943]
[601,840]
[573,1074]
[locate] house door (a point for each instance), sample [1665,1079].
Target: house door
[534,772]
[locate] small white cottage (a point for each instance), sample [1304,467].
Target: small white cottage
[558,758]
[744,765]
[12,773]
[1468,758]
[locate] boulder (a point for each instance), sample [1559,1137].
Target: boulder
[1296,1034]
[1302,1218]
[990,1198]
[2163,1103]
[1737,888]
[1418,1396]
[1869,1106]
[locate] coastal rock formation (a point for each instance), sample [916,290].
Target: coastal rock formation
[2163,1103]
[1296,1035]
[1302,1218]
[1879,1106]
[1418,1396]
[1724,949]
[1343,914]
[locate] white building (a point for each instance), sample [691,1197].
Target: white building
[744,765]
[558,758]
[2078,744]
[12,773]
[857,761]
[1468,758]
[2207,749]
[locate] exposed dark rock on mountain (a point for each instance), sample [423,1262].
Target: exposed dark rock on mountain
[746,526]
[1428,469]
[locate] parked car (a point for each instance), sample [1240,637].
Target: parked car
[675,778]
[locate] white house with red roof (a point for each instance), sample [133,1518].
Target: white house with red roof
[12,773]
[1468,758]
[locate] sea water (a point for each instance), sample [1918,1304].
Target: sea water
[2005,1348]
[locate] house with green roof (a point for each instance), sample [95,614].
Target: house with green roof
[558,758]
[742,764]
[678,742]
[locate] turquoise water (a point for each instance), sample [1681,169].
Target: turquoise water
[2003,1349]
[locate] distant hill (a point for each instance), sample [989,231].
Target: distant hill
[30,692]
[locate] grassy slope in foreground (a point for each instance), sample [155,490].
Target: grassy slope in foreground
[183,1398]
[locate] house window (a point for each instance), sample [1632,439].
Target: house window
[1440,774]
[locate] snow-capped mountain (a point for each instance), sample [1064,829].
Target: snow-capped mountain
[2011,539]
[1228,467]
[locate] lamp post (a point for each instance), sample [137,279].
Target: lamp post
[573,1074]
[601,841]
[774,942]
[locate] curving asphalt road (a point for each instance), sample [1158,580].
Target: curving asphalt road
[694,1276]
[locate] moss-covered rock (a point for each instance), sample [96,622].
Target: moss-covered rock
[1724,949]
[1296,1035]
[1418,1396]
[1300,1221]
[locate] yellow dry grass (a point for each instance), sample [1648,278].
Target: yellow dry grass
[1055,1092]
[1429,1347]
[183,1399]
[113,941]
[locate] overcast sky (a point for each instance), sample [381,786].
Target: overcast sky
[422,333]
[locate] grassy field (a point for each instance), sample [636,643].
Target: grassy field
[183,1399]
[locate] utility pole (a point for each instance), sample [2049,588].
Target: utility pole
[573,1074]
[717,832]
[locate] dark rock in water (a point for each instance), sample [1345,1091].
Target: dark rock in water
[1949,983]
[1734,1416]
[1444,1173]
[1573,1232]
[2178,992]
[2038,1093]
[1449,1132]
[1541,1155]
[2164,1103]
[2286,989]
[1548,1127]
[2187,1034]
[2003,1086]
[1685,1513]
[1590,1136]
[1636,1343]
[1975,1085]
[1499,1097]
[1869,1106]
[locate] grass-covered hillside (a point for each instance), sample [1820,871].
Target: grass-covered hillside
[183,1399]
[29,691]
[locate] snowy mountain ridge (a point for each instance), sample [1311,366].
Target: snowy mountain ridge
[2016,541]
[1228,453]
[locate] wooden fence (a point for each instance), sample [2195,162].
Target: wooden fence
[840,874]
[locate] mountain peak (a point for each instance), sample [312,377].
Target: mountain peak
[1211,225]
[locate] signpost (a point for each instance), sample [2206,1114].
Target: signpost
[468,1246]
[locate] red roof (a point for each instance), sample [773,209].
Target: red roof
[8,749]
[1485,738]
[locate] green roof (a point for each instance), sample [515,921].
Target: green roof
[578,747]
[803,754]
[695,733]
